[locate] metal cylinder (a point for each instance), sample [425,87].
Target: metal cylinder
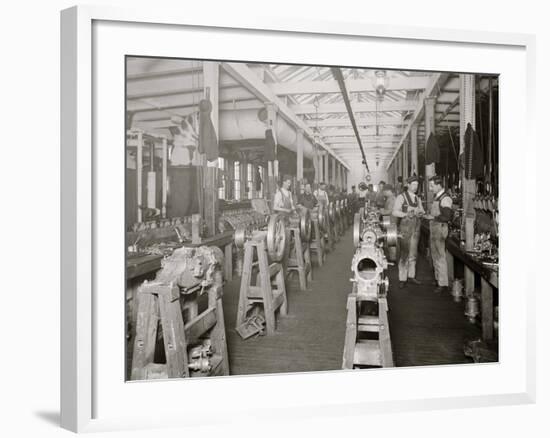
[472,309]
[457,290]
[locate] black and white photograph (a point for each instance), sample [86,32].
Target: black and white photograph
[287,218]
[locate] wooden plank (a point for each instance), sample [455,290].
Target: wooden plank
[173,332]
[384,338]
[367,352]
[137,266]
[245,282]
[351,333]
[146,335]
[486,310]
[228,261]
[200,325]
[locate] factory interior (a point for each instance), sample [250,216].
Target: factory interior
[297,218]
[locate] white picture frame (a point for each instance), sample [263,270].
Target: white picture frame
[83,219]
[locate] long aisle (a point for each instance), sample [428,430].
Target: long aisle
[426,329]
[311,336]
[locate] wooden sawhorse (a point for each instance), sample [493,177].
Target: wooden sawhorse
[269,289]
[196,347]
[300,258]
[367,352]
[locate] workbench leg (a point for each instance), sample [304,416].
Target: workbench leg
[267,292]
[309,266]
[245,283]
[299,250]
[450,267]
[486,310]
[351,333]
[469,281]
[173,332]
[228,262]
[146,335]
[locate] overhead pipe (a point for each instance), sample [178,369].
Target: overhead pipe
[337,73]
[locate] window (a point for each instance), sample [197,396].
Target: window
[237,180]
[222,190]
[250,180]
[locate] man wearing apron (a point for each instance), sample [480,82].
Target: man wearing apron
[440,215]
[408,210]
[283,202]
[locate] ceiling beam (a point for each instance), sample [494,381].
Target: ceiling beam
[363,132]
[361,122]
[364,139]
[358,107]
[261,90]
[352,85]
[163,74]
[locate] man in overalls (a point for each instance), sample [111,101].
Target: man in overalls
[283,202]
[408,210]
[441,214]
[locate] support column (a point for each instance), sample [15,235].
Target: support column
[325,173]
[406,158]
[139,175]
[272,166]
[467,115]
[300,155]
[315,160]
[164,175]
[414,149]
[429,113]
[333,171]
[211,80]
[337,182]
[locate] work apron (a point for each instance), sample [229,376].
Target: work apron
[408,244]
[438,235]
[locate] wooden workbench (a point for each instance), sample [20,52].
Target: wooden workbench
[472,267]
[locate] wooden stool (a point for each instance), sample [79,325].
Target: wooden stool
[367,352]
[262,292]
[300,258]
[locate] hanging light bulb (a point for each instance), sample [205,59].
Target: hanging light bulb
[380,83]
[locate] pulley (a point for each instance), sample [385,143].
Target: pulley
[386,222]
[240,236]
[305,224]
[276,237]
[392,235]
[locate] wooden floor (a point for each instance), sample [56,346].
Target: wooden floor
[426,329]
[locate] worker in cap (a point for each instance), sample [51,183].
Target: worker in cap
[441,214]
[408,210]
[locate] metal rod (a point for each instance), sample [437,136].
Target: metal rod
[139,165]
[164,175]
[337,73]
